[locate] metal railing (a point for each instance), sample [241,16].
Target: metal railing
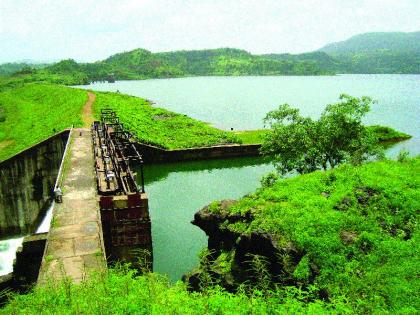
[117,152]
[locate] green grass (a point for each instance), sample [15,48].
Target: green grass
[357,225]
[159,127]
[119,291]
[388,135]
[31,113]
[384,135]
[251,136]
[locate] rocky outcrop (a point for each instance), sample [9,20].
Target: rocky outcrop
[244,256]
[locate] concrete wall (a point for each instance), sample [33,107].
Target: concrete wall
[127,229]
[26,183]
[26,265]
[153,154]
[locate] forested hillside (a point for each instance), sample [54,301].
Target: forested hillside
[365,53]
[377,53]
[368,42]
[143,64]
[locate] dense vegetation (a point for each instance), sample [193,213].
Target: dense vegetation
[119,291]
[322,59]
[302,144]
[159,127]
[31,113]
[350,234]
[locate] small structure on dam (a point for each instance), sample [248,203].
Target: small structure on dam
[123,204]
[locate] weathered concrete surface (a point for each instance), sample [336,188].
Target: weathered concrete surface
[27,180]
[153,154]
[75,244]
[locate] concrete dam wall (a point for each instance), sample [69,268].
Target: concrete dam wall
[27,180]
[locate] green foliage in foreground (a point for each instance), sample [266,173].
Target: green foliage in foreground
[357,229]
[33,112]
[159,127]
[119,291]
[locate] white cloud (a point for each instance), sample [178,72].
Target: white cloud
[94,29]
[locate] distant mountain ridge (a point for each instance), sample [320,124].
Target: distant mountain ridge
[364,53]
[394,52]
[369,42]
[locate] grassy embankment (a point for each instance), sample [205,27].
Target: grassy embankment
[355,227]
[385,135]
[30,113]
[33,112]
[160,127]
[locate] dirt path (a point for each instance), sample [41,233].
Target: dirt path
[87,110]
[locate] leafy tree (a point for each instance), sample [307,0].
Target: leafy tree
[305,145]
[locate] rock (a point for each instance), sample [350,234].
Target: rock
[348,237]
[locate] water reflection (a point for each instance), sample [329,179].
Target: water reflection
[159,172]
[177,190]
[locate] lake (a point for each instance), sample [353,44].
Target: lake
[176,191]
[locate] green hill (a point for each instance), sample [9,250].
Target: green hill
[364,53]
[377,53]
[321,59]
[143,64]
[371,42]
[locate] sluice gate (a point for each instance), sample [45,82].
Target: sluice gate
[123,203]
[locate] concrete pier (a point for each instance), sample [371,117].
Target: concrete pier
[75,245]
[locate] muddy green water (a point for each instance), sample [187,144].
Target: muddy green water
[177,191]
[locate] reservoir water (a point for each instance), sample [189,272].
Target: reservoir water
[176,191]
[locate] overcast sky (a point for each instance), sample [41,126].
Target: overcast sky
[90,30]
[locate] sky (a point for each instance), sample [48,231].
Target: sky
[90,30]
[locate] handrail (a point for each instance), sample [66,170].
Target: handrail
[60,170]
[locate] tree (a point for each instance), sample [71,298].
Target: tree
[305,145]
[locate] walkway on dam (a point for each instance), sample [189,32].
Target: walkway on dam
[75,245]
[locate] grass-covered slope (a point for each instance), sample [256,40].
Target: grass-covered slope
[120,292]
[159,127]
[33,112]
[388,135]
[352,232]
[385,135]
